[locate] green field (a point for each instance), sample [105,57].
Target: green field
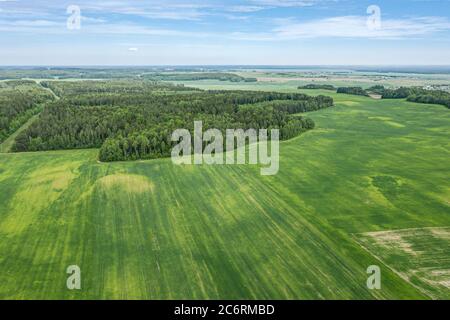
[420,256]
[153,230]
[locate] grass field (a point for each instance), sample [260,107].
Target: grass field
[153,230]
[420,256]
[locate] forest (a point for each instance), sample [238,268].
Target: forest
[131,120]
[19,101]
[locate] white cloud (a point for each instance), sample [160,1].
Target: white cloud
[287,3]
[244,9]
[350,27]
[33,23]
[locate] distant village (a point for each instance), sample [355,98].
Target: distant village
[443,87]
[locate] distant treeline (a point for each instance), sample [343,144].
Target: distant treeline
[198,76]
[412,94]
[150,73]
[19,101]
[129,124]
[318,87]
[358,91]
[70,73]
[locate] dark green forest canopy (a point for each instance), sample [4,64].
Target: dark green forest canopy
[19,100]
[419,95]
[135,119]
[358,91]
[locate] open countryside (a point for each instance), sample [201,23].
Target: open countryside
[369,172]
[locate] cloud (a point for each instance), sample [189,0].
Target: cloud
[59,28]
[135,18]
[350,27]
[244,9]
[33,23]
[154,9]
[287,3]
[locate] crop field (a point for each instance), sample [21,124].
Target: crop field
[420,256]
[369,172]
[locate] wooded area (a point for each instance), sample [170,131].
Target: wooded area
[132,120]
[19,101]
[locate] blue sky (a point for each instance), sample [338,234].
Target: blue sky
[208,32]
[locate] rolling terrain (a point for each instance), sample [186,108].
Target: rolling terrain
[152,230]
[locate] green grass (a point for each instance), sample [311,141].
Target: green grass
[420,256]
[153,230]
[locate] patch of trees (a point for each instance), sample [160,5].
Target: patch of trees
[377,89]
[358,91]
[121,87]
[19,101]
[400,93]
[318,87]
[156,143]
[412,94]
[431,97]
[128,125]
[416,94]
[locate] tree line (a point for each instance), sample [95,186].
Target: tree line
[412,94]
[128,124]
[358,91]
[415,94]
[318,87]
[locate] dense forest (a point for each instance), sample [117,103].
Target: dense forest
[377,89]
[431,97]
[131,120]
[19,101]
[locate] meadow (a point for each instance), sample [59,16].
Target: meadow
[153,230]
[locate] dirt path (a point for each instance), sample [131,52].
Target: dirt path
[6,146]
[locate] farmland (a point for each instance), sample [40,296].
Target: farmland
[419,256]
[148,229]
